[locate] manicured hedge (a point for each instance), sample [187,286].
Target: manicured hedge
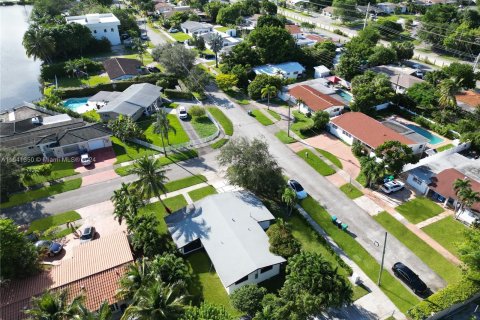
[445,298]
[175,94]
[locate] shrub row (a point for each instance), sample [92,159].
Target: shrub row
[175,94]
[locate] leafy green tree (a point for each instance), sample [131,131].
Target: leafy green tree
[139,47]
[382,55]
[462,74]
[10,172]
[434,77]
[389,30]
[207,311]
[267,92]
[177,60]
[54,306]
[424,95]
[272,44]
[18,257]
[151,178]
[226,81]
[282,241]
[371,169]
[320,120]
[242,54]
[270,21]
[228,15]
[248,298]
[197,111]
[38,44]
[348,67]
[212,8]
[261,81]
[197,80]
[395,155]
[268,8]
[124,128]
[241,73]
[289,197]
[128,22]
[370,90]
[216,44]
[252,167]
[468,250]
[322,53]
[170,268]
[464,192]
[447,89]
[145,237]
[342,9]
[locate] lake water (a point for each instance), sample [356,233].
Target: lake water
[18,74]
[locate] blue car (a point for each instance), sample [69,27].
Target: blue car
[53,248]
[297,187]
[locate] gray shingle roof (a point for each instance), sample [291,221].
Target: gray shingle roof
[88,132]
[194,25]
[228,226]
[104,96]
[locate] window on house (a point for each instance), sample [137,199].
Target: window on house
[104,30]
[416,180]
[242,280]
[333,125]
[111,29]
[31,147]
[336,109]
[296,72]
[94,31]
[266,269]
[346,133]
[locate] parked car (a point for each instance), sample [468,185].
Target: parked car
[32,237]
[173,30]
[412,280]
[182,112]
[85,159]
[392,186]
[297,187]
[53,248]
[153,69]
[144,36]
[88,234]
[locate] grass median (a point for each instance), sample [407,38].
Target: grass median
[201,193]
[351,191]
[261,117]
[222,119]
[283,136]
[275,115]
[185,182]
[315,162]
[219,143]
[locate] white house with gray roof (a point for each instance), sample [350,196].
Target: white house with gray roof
[196,28]
[231,228]
[133,102]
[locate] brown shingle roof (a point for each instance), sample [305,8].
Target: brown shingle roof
[313,98]
[316,38]
[442,184]
[470,98]
[117,67]
[293,29]
[368,130]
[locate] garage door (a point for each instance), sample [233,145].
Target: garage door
[95,144]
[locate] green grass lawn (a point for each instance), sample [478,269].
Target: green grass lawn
[185,182]
[283,136]
[128,151]
[351,191]
[361,179]
[60,169]
[275,115]
[203,126]
[333,158]
[171,105]
[261,117]
[445,147]
[315,162]
[173,203]
[147,58]
[29,196]
[447,232]
[180,36]
[43,224]
[77,82]
[219,143]
[206,284]
[175,136]
[419,209]
[432,258]
[358,292]
[93,114]
[302,121]
[222,29]
[222,119]
[399,295]
[201,193]
[239,97]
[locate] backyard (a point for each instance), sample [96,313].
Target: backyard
[283,136]
[448,232]
[419,209]
[82,81]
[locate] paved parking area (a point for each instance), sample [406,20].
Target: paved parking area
[102,158]
[395,199]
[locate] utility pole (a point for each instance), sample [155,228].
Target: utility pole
[475,64]
[366,16]
[288,128]
[383,258]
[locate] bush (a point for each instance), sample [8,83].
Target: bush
[282,241]
[248,298]
[197,111]
[49,71]
[175,94]
[261,81]
[339,32]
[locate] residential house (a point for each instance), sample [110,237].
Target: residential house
[400,78]
[303,41]
[122,68]
[231,228]
[229,41]
[313,100]
[101,25]
[390,8]
[251,22]
[136,100]
[196,28]
[289,70]
[321,85]
[52,135]
[94,270]
[468,100]
[321,72]
[328,12]
[167,9]
[294,30]
[101,98]
[357,126]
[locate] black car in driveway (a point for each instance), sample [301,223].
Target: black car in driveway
[404,273]
[52,248]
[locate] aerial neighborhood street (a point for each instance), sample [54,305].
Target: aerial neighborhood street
[242,160]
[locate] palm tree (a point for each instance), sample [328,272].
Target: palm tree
[54,306]
[38,44]
[126,204]
[137,275]
[469,197]
[289,198]
[162,127]
[71,66]
[464,192]
[139,47]
[216,44]
[103,313]
[157,301]
[151,176]
[268,91]
[372,169]
[448,89]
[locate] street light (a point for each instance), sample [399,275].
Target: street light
[383,258]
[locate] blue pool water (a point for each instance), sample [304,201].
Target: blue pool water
[344,95]
[433,138]
[77,104]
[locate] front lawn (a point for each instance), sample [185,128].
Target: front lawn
[128,151]
[203,126]
[222,119]
[175,136]
[180,36]
[173,203]
[333,158]
[301,122]
[60,169]
[351,191]
[219,143]
[432,258]
[283,136]
[275,115]
[261,117]
[29,196]
[43,224]
[185,182]
[419,209]
[315,162]
[447,232]
[399,295]
[201,193]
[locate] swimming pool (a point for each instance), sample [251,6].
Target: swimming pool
[78,105]
[433,138]
[345,95]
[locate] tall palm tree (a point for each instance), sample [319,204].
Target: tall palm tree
[71,66]
[289,197]
[464,193]
[126,203]
[103,313]
[216,44]
[137,275]
[38,44]
[469,197]
[267,92]
[162,127]
[157,302]
[54,306]
[151,178]
[448,89]
[372,169]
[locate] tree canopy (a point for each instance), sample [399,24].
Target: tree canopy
[395,155]
[248,298]
[282,241]
[272,44]
[369,90]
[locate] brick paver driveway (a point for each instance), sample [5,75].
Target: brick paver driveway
[104,157]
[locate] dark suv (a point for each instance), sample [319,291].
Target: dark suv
[410,278]
[88,234]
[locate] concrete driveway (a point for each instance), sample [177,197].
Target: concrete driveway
[104,157]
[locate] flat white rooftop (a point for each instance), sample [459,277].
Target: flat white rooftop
[93,18]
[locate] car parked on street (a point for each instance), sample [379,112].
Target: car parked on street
[297,187]
[85,159]
[88,234]
[173,30]
[392,186]
[410,278]
[53,248]
[182,112]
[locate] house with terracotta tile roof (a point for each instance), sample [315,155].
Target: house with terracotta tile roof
[468,100]
[294,30]
[93,270]
[311,100]
[357,126]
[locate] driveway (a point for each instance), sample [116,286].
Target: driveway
[102,158]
